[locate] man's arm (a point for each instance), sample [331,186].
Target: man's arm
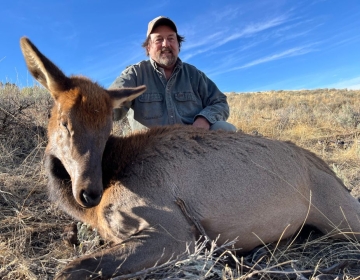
[214,101]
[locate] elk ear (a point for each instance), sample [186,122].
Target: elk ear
[43,70]
[120,96]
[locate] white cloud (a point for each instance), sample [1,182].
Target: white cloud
[284,54]
[353,83]
[220,38]
[288,53]
[258,27]
[202,41]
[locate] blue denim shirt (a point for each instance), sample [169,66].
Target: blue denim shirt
[188,93]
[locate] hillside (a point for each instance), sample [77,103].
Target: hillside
[325,121]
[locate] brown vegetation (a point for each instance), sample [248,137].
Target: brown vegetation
[37,238]
[324,121]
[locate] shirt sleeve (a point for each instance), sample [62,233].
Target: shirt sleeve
[214,101]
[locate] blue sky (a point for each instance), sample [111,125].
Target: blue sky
[243,46]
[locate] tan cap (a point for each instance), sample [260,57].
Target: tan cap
[161,20]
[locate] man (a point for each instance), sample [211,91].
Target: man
[177,92]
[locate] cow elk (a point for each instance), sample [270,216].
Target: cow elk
[139,191]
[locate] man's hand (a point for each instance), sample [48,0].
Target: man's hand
[202,123]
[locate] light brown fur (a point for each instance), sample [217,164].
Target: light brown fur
[234,185]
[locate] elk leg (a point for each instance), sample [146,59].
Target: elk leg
[335,209]
[147,249]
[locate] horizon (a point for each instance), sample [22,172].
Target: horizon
[242,46]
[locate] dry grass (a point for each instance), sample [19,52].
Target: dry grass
[34,243]
[326,121]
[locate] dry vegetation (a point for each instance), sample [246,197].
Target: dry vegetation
[37,239]
[325,121]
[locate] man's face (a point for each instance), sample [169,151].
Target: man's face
[163,46]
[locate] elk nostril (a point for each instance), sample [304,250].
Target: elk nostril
[90,199]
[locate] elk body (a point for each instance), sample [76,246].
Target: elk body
[234,185]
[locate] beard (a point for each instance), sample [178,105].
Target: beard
[165,57]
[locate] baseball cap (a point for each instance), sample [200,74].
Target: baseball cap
[161,20]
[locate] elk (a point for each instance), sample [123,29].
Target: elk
[140,190]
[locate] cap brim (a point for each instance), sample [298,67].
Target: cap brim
[159,22]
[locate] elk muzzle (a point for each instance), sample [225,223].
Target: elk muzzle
[88,192]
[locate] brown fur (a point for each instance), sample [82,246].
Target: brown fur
[228,185]
[94,110]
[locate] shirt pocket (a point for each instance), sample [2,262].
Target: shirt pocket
[187,104]
[152,106]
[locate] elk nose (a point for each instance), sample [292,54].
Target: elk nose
[90,199]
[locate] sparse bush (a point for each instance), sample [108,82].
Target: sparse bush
[23,119]
[348,116]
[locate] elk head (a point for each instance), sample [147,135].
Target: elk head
[80,123]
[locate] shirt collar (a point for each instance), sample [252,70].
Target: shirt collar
[178,64]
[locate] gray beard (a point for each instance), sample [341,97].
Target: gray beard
[167,61]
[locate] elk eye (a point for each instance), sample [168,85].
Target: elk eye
[65,125]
